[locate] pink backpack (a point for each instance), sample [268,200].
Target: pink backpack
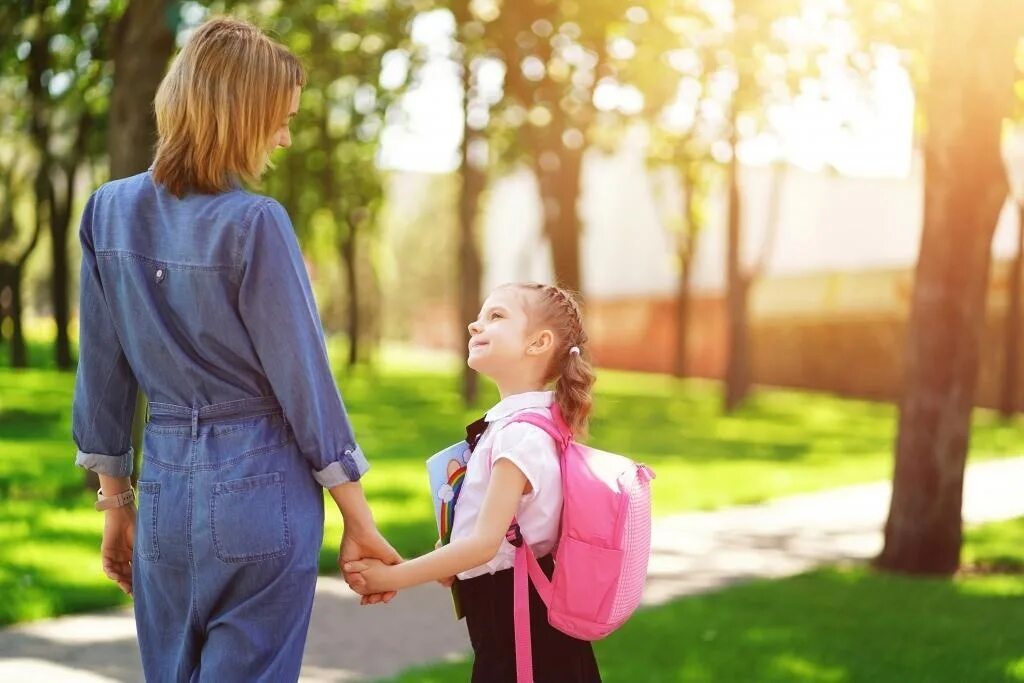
[603,545]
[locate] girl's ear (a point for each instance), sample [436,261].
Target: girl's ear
[542,342]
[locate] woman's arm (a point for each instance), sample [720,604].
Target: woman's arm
[501,501]
[276,304]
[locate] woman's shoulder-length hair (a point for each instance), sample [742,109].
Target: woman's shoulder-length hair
[224,97]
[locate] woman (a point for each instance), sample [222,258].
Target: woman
[195,290]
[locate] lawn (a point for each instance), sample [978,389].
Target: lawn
[406,408]
[829,626]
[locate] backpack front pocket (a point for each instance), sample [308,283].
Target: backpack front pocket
[596,572]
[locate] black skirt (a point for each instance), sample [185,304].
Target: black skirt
[487,602]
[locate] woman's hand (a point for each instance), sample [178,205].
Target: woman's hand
[118,542]
[359,544]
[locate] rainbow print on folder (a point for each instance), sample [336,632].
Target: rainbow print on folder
[447,513]
[446,471]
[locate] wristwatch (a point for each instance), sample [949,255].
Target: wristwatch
[117,500]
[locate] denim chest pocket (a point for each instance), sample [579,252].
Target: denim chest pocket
[147,542]
[249,519]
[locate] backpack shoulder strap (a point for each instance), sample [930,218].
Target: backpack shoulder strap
[561,437]
[526,568]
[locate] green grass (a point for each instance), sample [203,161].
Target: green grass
[827,626]
[406,408]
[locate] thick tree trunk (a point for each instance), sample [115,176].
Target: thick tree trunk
[563,224]
[1009,401]
[557,167]
[558,172]
[964,190]
[143,44]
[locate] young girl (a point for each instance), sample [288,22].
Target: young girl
[526,337]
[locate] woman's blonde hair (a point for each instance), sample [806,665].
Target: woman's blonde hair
[225,96]
[570,369]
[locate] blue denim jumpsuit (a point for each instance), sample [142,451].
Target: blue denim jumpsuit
[205,303]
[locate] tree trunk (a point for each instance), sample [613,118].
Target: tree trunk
[470,268]
[737,369]
[13,273]
[685,249]
[10,276]
[683,314]
[560,189]
[965,188]
[1008,402]
[143,44]
[60,222]
[348,255]
[19,352]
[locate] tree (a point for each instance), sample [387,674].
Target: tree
[1008,398]
[964,190]
[143,42]
[555,56]
[358,62]
[59,54]
[1009,401]
[759,81]
[674,68]
[12,267]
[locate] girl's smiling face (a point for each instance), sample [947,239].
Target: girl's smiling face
[498,337]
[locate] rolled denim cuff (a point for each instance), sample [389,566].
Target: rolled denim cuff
[110,465]
[351,466]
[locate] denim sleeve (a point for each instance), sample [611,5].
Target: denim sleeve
[277,306]
[105,388]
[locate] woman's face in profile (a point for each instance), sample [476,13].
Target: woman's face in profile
[283,135]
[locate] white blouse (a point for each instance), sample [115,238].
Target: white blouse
[534,452]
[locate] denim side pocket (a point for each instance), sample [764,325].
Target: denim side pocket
[249,519]
[146,538]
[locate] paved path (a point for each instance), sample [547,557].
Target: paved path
[692,553]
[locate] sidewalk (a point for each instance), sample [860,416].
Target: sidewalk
[692,553]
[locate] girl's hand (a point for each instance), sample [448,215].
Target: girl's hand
[373,573]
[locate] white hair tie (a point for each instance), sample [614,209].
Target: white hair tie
[575,350]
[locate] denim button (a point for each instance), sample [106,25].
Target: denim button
[160,275]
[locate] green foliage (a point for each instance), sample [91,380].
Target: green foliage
[782,442]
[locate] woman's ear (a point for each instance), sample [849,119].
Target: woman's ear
[542,342]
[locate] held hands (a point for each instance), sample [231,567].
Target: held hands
[361,546]
[369,575]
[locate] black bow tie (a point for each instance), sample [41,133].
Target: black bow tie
[475,431]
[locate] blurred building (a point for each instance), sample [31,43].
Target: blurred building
[828,313]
